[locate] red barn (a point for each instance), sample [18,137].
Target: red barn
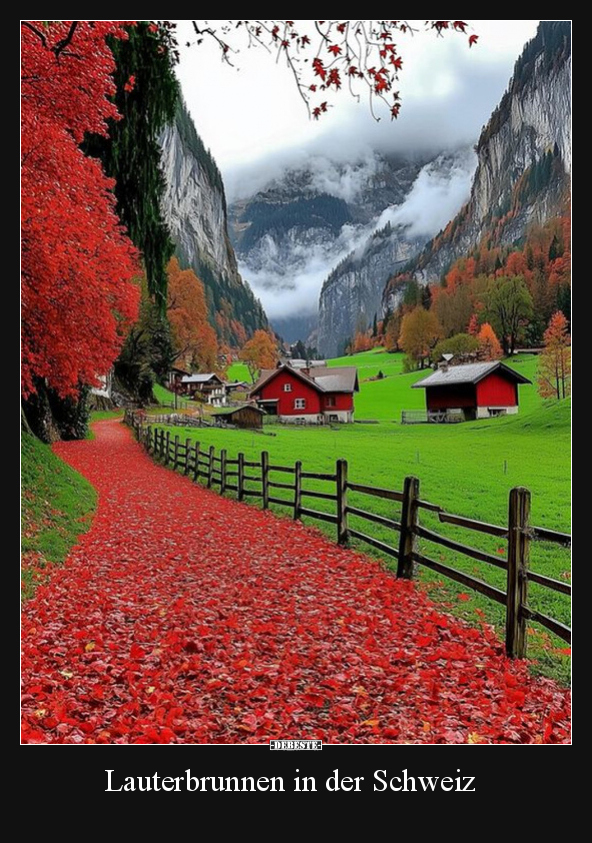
[315,395]
[475,391]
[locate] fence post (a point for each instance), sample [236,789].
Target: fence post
[187,450]
[265,478]
[517,584]
[176,453]
[150,438]
[240,481]
[342,531]
[211,466]
[222,471]
[196,467]
[167,446]
[297,489]
[407,540]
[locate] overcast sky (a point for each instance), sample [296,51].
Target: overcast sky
[253,116]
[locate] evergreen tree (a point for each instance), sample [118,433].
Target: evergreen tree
[147,94]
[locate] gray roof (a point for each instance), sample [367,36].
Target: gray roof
[338,379]
[298,363]
[468,373]
[322,378]
[200,378]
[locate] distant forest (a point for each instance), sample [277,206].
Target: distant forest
[321,211]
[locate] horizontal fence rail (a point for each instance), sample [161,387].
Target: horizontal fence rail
[218,470]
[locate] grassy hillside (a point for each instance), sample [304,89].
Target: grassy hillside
[57,506]
[467,468]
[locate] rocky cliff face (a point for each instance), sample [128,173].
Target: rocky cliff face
[290,234]
[524,158]
[195,210]
[353,292]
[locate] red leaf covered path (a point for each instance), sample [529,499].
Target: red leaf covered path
[183,617]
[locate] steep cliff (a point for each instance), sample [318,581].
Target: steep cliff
[195,210]
[353,292]
[292,232]
[524,159]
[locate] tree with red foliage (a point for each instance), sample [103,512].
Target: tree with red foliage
[554,380]
[260,352]
[325,56]
[489,345]
[473,329]
[78,265]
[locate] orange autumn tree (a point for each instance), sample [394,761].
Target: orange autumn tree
[489,345]
[554,380]
[420,331]
[391,335]
[362,342]
[194,339]
[260,352]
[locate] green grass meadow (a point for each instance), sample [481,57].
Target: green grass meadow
[57,505]
[467,468]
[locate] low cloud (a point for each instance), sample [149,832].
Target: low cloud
[290,285]
[438,193]
[444,109]
[292,288]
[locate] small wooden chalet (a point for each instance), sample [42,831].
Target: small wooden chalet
[175,376]
[313,396]
[209,387]
[237,386]
[472,391]
[246,416]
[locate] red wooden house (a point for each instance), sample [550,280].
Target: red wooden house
[472,391]
[315,396]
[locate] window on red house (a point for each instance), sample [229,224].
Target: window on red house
[287,387]
[330,400]
[300,404]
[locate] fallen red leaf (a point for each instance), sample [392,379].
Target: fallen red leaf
[215,622]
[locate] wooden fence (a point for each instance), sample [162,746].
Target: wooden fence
[231,475]
[431,417]
[177,420]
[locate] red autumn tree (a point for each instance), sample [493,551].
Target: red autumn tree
[474,326]
[489,345]
[194,338]
[325,56]
[554,380]
[260,352]
[78,265]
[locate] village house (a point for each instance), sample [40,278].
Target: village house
[209,387]
[472,391]
[313,396]
[175,376]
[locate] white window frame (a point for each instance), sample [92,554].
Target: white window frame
[300,403]
[287,387]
